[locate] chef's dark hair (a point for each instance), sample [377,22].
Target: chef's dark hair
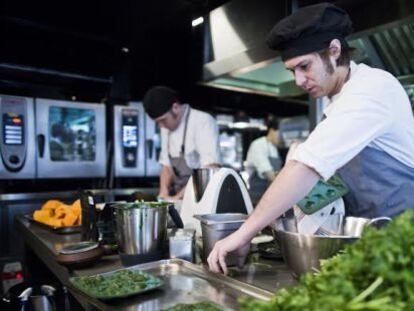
[272,123]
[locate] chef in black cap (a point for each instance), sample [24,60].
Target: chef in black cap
[189,139]
[367,136]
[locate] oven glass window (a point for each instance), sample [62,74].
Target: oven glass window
[72,134]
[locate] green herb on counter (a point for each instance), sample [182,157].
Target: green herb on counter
[120,283]
[142,204]
[200,306]
[374,273]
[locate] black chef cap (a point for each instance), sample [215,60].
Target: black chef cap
[158,100]
[272,122]
[310,29]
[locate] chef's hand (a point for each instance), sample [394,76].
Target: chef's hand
[234,242]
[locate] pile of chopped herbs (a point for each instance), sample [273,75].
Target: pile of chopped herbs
[120,283]
[374,273]
[200,306]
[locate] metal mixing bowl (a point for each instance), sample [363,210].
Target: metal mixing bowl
[302,253]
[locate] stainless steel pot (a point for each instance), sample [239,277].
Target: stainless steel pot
[141,227]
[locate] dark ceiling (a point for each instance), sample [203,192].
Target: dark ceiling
[92,49]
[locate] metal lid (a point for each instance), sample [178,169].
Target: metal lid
[224,218]
[183,234]
[80,247]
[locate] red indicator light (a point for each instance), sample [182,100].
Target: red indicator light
[17,120]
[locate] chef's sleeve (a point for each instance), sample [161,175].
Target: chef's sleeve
[353,123]
[164,159]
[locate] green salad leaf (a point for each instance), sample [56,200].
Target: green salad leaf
[374,273]
[118,284]
[200,306]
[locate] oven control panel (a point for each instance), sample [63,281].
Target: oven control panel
[13,112]
[129,132]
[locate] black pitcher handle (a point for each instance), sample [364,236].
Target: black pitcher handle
[175,216]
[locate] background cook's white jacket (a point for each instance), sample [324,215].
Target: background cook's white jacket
[258,156]
[373,110]
[202,144]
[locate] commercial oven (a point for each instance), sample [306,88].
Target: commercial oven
[71,139]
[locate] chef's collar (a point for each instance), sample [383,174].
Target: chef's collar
[353,67]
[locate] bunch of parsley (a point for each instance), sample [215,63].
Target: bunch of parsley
[374,273]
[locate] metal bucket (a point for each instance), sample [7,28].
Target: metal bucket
[141,228]
[201,178]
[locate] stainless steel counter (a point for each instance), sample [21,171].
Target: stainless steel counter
[266,274]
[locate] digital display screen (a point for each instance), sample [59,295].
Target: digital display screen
[72,134]
[129,136]
[13,129]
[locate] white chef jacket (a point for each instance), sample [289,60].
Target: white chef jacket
[372,109]
[258,156]
[201,145]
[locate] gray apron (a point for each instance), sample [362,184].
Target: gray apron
[257,185]
[380,185]
[180,168]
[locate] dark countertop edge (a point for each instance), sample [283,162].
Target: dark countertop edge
[13,197]
[48,258]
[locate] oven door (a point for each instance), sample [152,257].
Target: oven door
[71,139]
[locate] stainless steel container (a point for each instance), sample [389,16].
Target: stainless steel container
[302,253]
[201,178]
[141,227]
[215,227]
[182,244]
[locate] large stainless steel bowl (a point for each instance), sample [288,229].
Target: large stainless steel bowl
[141,228]
[302,253]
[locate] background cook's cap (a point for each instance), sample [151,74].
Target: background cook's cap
[310,29]
[158,100]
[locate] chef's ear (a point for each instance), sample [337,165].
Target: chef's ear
[335,48]
[175,107]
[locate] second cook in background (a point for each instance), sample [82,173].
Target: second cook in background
[189,139]
[263,160]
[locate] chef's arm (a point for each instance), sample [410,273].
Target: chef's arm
[165,181]
[293,182]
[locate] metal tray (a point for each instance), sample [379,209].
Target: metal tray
[58,230]
[184,282]
[151,284]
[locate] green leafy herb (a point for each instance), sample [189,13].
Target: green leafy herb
[200,306]
[374,273]
[120,283]
[142,204]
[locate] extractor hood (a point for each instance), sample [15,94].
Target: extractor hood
[238,59]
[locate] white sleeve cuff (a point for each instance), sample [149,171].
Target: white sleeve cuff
[305,156]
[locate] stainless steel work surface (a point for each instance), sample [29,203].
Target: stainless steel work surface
[267,274]
[185,282]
